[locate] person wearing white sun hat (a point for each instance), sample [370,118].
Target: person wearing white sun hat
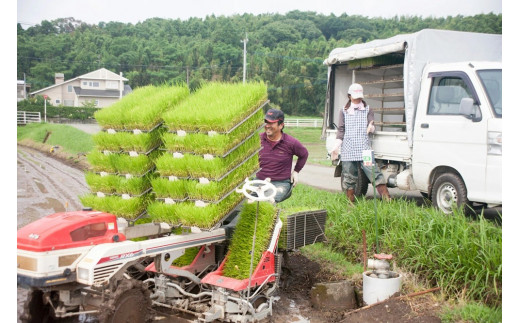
[356,121]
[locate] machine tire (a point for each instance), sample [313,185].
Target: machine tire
[35,310]
[449,189]
[130,303]
[361,184]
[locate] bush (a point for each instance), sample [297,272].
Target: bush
[36,104]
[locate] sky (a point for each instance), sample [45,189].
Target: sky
[31,12]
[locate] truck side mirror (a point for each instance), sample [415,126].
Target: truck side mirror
[470,110]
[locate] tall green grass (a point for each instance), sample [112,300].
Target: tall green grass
[472,312]
[460,255]
[70,139]
[239,256]
[216,107]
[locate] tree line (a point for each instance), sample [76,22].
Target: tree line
[284,51]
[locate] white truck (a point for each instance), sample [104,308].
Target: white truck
[437,99]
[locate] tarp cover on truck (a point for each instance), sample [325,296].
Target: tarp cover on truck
[420,48]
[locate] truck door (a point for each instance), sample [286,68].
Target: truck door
[445,138]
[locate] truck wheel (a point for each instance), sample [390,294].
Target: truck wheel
[361,184]
[130,303]
[449,192]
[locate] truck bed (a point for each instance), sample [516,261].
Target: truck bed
[391,146]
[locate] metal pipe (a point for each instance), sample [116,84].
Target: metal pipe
[188,294]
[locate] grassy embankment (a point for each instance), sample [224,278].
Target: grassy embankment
[68,138]
[63,141]
[460,255]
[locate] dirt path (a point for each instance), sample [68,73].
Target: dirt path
[47,185]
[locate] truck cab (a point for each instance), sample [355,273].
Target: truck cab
[457,142]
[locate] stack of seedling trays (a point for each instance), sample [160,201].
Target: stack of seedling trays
[211,146]
[123,161]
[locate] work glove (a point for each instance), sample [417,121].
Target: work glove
[294,178]
[335,151]
[371,127]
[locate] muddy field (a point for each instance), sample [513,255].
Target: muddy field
[47,185]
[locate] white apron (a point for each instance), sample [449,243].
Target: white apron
[356,138]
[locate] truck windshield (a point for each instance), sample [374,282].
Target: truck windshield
[492,81]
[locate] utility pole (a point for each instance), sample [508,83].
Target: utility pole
[24,87]
[245,52]
[188,76]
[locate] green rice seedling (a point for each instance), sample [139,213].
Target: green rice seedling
[216,107]
[106,141]
[208,216]
[216,167]
[101,162]
[162,212]
[129,208]
[114,116]
[217,144]
[106,184]
[125,208]
[145,115]
[141,142]
[214,190]
[187,258]
[239,257]
[103,204]
[141,109]
[189,214]
[164,188]
[168,165]
[138,165]
[175,143]
[134,185]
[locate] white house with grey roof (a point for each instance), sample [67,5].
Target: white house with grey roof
[102,87]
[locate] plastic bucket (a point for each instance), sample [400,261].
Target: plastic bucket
[379,289]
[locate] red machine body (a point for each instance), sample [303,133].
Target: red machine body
[263,273]
[67,230]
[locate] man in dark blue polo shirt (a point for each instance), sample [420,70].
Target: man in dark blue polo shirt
[276,156]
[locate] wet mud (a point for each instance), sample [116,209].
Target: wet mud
[44,186]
